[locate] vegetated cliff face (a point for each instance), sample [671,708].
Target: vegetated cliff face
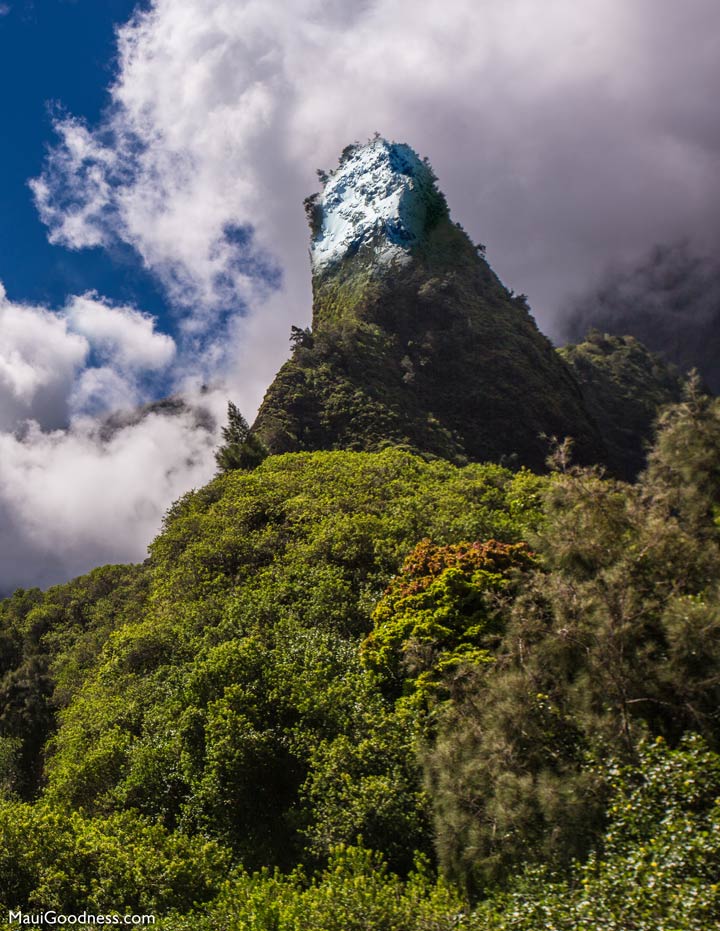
[624,386]
[414,339]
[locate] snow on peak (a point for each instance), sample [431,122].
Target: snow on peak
[378,196]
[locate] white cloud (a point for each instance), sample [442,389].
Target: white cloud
[101,389]
[121,334]
[73,499]
[40,358]
[88,356]
[79,487]
[563,134]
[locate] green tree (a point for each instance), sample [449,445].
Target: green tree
[55,858]
[655,865]
[240,449]
[442,612]
[615,638]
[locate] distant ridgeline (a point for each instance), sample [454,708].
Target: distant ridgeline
[416,342]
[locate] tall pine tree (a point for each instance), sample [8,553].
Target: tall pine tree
[240,448]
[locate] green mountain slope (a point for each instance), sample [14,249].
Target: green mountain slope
[217,689]
[625,386]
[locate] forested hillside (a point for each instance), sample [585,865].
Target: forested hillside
[624,386]
[372,691]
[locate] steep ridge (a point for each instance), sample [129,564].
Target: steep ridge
[414,339]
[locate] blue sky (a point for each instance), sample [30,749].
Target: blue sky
[55,56]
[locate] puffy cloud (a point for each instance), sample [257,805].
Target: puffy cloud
[121,334]
[49,367]
[78,488]
[76,498]
[101,389]
[86,472]
[40,358]
[563,136]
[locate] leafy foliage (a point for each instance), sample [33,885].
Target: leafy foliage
[241,449]
[47,644]
[344,693]
[656,867]
[62,860]
[355,892]
[442,611]
[625,387]
[227,698]
[617,637]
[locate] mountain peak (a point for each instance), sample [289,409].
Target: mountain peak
[414,339]
[382,197]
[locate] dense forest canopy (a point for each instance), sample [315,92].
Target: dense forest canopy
[372,690]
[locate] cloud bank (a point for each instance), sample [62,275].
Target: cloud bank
[78,489]
[75,498]
[564,135]
[49,361]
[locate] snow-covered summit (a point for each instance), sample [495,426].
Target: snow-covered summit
[379,196]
